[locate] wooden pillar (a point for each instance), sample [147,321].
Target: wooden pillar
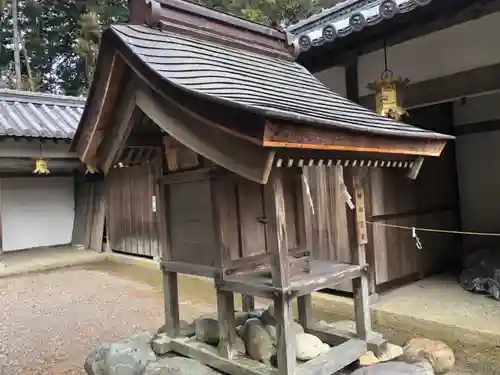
[227,322]
[225,300]
[247,303]
[171,300]
[170,284]
[285,350]
[360,285]
[277,235]
[304,306]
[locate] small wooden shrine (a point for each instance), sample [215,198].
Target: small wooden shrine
[226,102]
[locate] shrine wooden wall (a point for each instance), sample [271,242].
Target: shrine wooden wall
[431,201]
[242,211]
[131,221]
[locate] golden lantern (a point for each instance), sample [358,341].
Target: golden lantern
[91,170]
[389,92]
[41,167]
[388,95]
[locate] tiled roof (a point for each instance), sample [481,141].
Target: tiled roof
[273,87]
[39,115]
[345,18]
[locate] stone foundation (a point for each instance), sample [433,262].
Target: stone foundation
[149,354]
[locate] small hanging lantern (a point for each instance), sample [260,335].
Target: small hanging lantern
[41,167]
[389,93]
[91,170]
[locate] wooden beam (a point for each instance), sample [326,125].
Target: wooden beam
[127,115]
[448,88]
[108,77]
[189,268]
[188,176]
[209,356]
[291,136]
[336,359]
[239,156]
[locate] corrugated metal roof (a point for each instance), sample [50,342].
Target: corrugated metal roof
[345,18]
[39,115]
[273,87]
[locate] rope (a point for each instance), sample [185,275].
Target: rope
[436,230]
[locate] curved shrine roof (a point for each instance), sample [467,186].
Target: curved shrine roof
[270,86]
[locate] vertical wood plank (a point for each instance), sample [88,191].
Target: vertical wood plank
[223,257]
[360,285]
[300,215]
[250,209]
[277,234]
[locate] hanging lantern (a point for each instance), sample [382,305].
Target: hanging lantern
[91,170]
[41,167]
[389,92]
[388,95]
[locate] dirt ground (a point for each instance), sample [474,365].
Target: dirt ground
[52,320]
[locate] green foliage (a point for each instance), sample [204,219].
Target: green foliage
[62,36]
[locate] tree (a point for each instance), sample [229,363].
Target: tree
[15,43]
[61,37]
[87,45]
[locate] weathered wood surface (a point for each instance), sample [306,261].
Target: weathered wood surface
[334,360]
[285,345]
[225,313]
[304,307]
[323,274]
[191,226]
[333,336]
[90,213]
[397,200]
[326,229]
[292,136]
[189,268]
[239,156]
[133,226]
[210,356]
[360,285]
[277,232]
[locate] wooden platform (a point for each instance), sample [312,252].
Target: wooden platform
[322,274]
[332,361]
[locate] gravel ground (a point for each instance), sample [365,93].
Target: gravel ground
[51,321]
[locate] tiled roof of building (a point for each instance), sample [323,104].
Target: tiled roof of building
[269,86]
[39,115]
[347,17]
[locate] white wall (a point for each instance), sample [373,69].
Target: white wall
[478,157]
[36,211]
[460,48]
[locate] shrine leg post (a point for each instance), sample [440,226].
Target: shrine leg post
[360,285]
